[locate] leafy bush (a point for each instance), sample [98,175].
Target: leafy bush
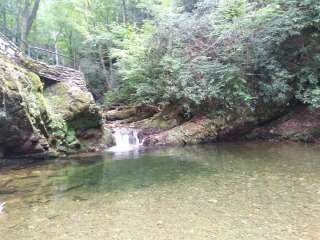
[227,55]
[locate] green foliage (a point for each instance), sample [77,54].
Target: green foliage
[203,55]
[227,56]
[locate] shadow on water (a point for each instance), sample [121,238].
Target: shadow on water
[103,174]
[251,190]
[108,174]
[135,170]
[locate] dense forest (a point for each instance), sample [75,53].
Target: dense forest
[200,55]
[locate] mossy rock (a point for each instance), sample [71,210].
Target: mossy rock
[121,114]
[30,122]
[23,126]
[315,132]
[195,131]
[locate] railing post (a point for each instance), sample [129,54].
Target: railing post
[43,54]
[56,53]
[75,62]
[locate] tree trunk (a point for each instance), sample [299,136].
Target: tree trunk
[110,63]
[24,25]
[56,47]
[4,18]
[33,15]
[125,13]
[72,49]
[108,9]
[103,65]
[27,21]
[170,27]
[16,29]
[56,54]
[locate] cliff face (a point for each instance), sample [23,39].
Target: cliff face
[39,116]
[24,114]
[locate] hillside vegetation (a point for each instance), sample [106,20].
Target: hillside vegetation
[228,56]
[239,63]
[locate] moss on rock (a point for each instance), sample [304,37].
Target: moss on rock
[23,109]
[195,131]
[35,118]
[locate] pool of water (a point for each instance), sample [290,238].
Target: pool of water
[225,192]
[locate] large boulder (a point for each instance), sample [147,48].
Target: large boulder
[301,124]
[130,114]
[195,131]
[23,113]
[71,100]
[209,128]
[37,117]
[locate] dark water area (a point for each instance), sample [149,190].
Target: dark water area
[230,191]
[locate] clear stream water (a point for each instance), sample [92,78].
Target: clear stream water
[225,192]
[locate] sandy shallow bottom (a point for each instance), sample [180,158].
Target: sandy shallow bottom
[239,191]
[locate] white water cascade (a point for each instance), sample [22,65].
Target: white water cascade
[126,139]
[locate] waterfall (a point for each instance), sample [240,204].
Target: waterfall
[126,139]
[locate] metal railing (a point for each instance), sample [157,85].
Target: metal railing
[46,55]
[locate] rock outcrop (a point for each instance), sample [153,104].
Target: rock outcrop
[131,114]
[169,127]
[24,115]
[198,130]
[301,124]
[43,108]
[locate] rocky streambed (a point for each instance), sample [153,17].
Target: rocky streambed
[299,123]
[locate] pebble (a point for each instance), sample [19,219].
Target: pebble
[159,223]
[52,215]
[244,221]
[212,201]
[79,198]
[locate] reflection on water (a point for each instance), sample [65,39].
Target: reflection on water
[235,191]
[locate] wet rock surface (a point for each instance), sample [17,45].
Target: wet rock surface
[24,115]
[198,130]
[302,124]
[131,114]
[293,123]
[39,115]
